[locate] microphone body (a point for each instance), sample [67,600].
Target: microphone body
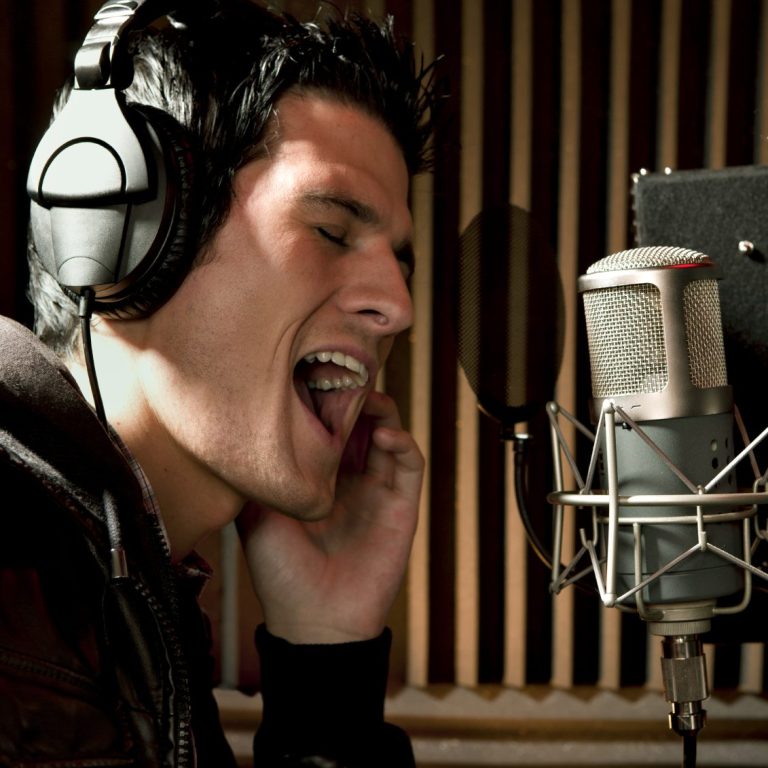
[656,351]
[697,445]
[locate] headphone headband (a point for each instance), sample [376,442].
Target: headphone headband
[102,47]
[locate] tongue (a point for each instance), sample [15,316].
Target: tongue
[329,407]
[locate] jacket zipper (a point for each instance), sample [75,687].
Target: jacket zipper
[180,700]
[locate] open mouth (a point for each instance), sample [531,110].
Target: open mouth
[326,382]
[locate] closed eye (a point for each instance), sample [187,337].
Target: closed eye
[336,238]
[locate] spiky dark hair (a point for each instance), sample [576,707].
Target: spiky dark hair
[219,73]
[347,56]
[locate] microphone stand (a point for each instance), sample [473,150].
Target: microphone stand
[685,687]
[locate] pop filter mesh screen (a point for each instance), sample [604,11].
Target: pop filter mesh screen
[510,310]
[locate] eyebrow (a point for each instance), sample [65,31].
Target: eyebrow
[361,211]
[365,214]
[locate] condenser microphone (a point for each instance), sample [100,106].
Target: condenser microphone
[658,365]
[656,352]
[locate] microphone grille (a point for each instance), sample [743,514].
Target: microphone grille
[625,332]
[704,331]
[626,326]
[651,257]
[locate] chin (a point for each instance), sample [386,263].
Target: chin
[311,506]
[311,513]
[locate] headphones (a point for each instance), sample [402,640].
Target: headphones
[111,183]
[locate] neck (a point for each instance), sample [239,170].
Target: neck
[192,503]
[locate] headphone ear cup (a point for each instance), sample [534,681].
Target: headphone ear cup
[162,267]
[132,251]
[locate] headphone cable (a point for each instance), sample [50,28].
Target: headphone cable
[118,561]
[84,311]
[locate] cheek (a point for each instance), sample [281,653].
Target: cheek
[193,334]
[264,270]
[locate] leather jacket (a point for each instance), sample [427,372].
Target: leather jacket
[100,668]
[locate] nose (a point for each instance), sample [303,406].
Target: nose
[376,291]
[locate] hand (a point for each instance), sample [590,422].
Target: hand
[335,580]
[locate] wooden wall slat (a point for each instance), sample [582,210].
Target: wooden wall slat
[594,132]
[497,109]
[422,194]
[467,580]
[743,131]
[520,139]
[442,446]
[545,174]
[651,103]
[693,91]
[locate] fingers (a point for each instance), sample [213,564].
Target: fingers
[382,409]
[394,456]
[406,464]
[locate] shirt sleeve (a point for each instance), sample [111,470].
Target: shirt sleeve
[324,706]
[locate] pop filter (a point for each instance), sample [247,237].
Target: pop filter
[510,332]
[510,318]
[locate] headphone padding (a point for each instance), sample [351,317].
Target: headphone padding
[159,278]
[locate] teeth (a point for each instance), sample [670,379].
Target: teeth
[345,381]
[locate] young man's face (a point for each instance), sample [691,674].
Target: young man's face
[307,266]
